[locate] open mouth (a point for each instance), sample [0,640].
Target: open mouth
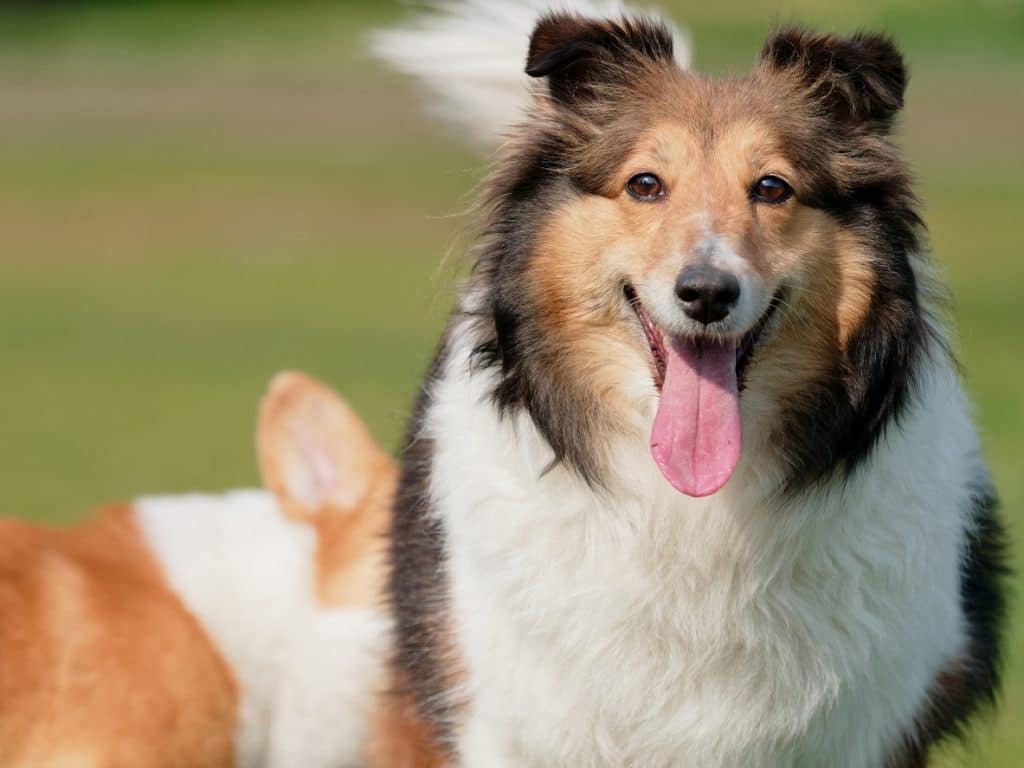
[656,337]
[697,436]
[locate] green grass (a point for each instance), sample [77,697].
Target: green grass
[192,198]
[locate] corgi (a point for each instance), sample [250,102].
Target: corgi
[195,631]
[693,479]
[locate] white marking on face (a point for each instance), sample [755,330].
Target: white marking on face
[755,294]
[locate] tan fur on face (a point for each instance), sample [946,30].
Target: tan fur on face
[708,169]
[855,283]
[821,312]
[100,663]
[574,277]
[710,145]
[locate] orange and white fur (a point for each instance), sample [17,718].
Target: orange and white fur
[205,631]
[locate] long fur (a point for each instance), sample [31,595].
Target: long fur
[840,601]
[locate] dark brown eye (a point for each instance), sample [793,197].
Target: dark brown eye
[771,189]
[645,186]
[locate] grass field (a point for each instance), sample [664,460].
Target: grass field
[192,198]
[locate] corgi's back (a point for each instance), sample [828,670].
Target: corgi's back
[100,664]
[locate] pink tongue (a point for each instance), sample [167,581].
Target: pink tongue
[696,436]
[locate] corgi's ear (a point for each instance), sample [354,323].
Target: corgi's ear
[579,55]
[859,79]
[314,452]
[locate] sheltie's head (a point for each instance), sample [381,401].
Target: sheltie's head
[704,262]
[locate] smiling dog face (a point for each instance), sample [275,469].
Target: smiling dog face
[658,236]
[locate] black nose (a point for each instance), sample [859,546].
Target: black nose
[708,294]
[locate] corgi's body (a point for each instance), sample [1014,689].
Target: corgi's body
[101,663]
[248,572]
[205,631]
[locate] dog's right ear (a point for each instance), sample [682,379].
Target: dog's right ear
[314,452]
[860,80]
[577,55]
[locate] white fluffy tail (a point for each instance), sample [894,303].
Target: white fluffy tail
[471,54]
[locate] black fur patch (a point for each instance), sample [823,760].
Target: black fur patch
[849,90]
[417,586]
[833,424]
[970,687]
[513,339]
[585,61]
[575,53]
[859,78]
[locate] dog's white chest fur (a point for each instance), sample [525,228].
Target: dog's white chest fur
[643,628]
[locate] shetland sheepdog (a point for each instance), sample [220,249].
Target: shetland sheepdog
[692,479]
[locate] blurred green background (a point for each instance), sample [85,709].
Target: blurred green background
[194,196]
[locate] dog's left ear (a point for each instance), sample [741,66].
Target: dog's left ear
[314,452]
[860,79]
[578,54]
